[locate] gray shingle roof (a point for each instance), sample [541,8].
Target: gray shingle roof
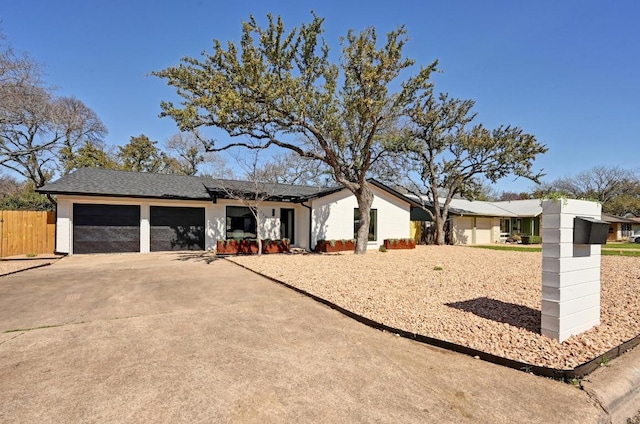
[223,188]
[613,218]
[513,208]
[103,182]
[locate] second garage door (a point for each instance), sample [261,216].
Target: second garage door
[176,228]
[483,230]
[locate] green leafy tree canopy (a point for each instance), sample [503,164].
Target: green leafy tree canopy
[451,158]
[88,155]
[280,88]
[142,155]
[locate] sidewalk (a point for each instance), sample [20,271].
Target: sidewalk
[616,387]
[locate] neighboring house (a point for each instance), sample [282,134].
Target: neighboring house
[478,222]
[619,228]
[635,225]
[102,211]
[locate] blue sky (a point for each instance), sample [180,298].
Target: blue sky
[565,71]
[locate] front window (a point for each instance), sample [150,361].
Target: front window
[373,224]
[505,225]
[241,223]
[517,228]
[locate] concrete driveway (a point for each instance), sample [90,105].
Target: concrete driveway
[182,338]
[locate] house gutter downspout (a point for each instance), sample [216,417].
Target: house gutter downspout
[308,207]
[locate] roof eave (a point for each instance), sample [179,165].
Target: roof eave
[121,195]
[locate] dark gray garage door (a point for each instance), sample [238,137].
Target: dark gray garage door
[106,228]
[177,228]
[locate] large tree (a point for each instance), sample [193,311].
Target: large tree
[281,88]
[88,155]
[617,188]
[39,128]
[188,156]
[35,124]
[189,153]
[451,159]
[291,168]
[20,195]
[142,154]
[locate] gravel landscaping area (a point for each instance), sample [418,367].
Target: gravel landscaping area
[484,299]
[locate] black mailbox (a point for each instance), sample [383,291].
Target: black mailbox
[589,230]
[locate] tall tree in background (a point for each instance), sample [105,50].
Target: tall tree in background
[450,158]
[189,156]
[510,195]
[88,155]
[625,204]
[618,189]
[291,168]
[142,155]
[189,152]
[20,195]
[34,124]
[280,88]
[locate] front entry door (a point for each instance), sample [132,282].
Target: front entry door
[287,225]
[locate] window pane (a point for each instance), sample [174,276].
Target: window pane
[241,224]
[373,224]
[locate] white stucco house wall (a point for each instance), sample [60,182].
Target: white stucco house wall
[333,216]
[100,211]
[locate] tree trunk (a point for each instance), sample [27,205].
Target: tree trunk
[440,240]
[364,196]
[258,238]
[439,214]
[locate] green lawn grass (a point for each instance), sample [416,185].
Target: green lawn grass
[507,247]
[622,246]
[607,250]
[620,252]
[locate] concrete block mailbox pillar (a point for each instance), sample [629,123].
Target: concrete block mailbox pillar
[570,267]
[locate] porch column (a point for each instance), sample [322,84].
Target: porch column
[145,228]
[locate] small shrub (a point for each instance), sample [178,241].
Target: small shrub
[382,248]
[31,255]
[535,239]
[438,267]
[576,382]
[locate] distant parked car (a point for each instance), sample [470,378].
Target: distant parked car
[635,238]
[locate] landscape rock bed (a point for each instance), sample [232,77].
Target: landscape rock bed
[484,299]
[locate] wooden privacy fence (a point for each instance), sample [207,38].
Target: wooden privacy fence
[27,232]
